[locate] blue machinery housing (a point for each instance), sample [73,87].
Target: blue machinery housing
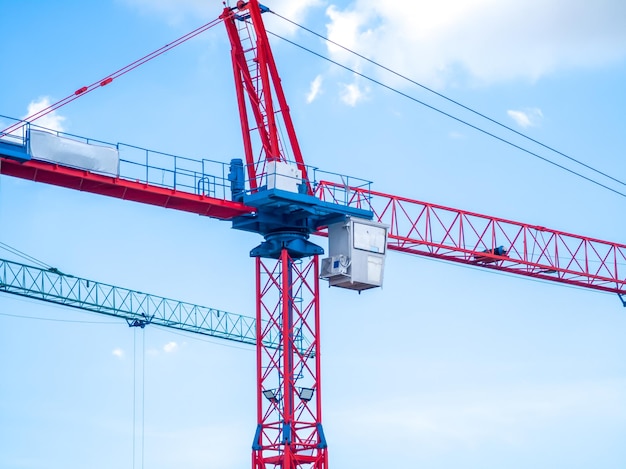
[285,219]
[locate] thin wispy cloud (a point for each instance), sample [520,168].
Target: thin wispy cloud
[170,347]
[295,11]
[526,118]
[479,42]
[314,90]
[352,94]
[119,353]
[52,120]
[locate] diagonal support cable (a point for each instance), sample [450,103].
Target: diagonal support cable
[108,78]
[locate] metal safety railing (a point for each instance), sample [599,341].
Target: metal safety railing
[201,176]
[197,176]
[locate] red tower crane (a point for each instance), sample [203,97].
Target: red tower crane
[289,432]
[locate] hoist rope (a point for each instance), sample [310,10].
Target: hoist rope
[134,396]
[142,386]
[143,396]
[108,78]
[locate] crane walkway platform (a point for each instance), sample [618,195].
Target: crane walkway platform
[132,173]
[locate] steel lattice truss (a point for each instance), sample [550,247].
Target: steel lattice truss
[455,235]
[289,432]
[260,97]
[137,308]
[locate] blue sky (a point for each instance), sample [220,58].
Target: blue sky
[443,367]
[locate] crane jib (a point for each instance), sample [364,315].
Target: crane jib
[416,227]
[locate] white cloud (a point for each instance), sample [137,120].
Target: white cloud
[526,118]
[480,41]
[52,120]
[352,94]
[170,347]
[295,11]
[118,352]
[316,86]
[344,29]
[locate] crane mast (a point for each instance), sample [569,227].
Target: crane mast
[289,432]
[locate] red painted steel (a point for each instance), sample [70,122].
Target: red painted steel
[289,433]
[456,235]
[58,175]
[256,78]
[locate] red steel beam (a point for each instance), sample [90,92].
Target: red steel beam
[460,236]
[78,179]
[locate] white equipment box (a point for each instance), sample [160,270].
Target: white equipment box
[356,249]
[283,176]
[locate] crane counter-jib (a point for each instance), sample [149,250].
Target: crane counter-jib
[120,170]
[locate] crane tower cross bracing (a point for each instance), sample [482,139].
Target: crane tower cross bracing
[289,431]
